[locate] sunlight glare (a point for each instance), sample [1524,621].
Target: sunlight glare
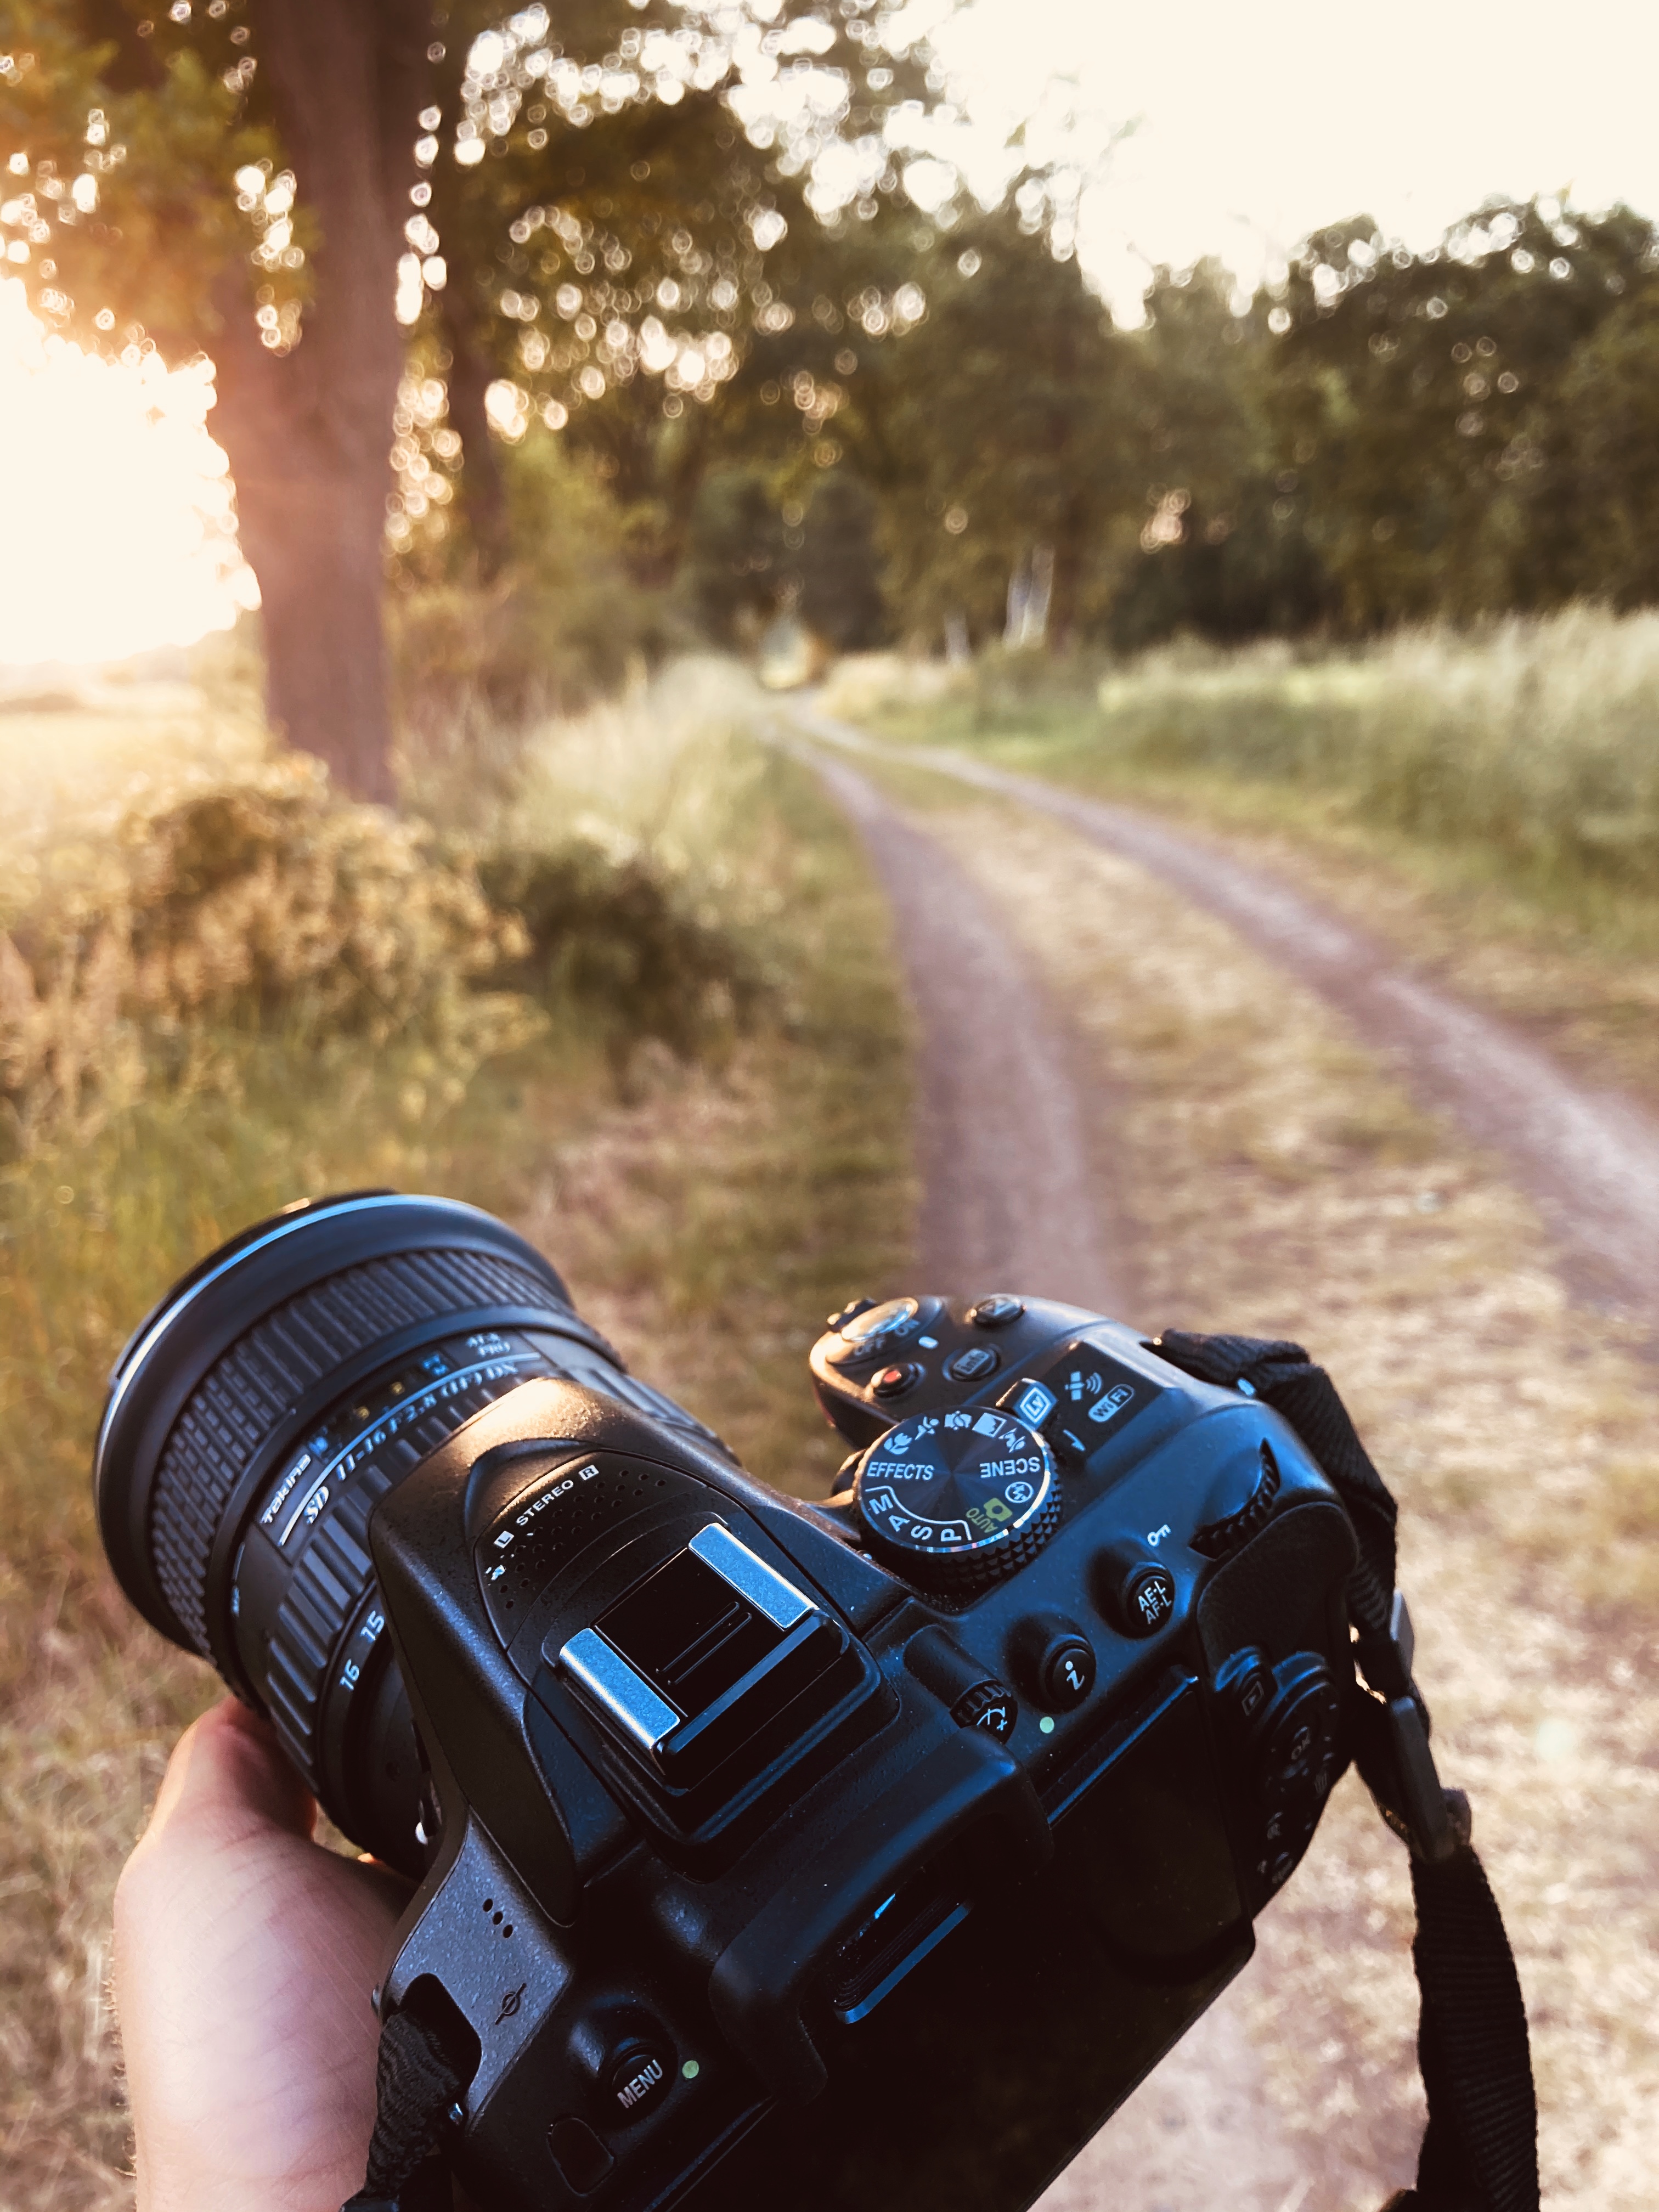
[118,530]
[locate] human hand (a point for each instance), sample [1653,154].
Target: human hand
[244,1954]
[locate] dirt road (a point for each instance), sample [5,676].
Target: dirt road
[1012,1196]
[999,1089]
[1237,1148]
[1589,1162]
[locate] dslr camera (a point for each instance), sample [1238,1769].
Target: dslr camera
[866,1852]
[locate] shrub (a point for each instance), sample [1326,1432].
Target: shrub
[260,904]
[612,932]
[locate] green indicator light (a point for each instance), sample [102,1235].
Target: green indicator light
[690,2070]
[1047,1723]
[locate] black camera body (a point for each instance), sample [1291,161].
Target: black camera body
[861,1853]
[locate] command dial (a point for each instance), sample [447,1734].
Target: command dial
[958,1500]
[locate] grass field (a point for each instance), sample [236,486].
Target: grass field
[1529,744]
[706,1217]
[709,1210]
[1490,804]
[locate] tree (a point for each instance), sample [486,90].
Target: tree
[996,428]
[666,284]
[1220,552]
[184,234]
[1407,391]
[1583,514]
[259,177]
[734,566]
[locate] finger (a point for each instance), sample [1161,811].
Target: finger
[228,1780]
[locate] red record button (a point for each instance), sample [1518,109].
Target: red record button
[892,1382]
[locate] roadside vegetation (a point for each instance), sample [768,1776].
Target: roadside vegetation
[1487,799]
[635,1009]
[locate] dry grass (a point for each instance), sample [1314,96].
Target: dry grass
[1282,1185]
[1530,740]
[709,1224]
[1525,871]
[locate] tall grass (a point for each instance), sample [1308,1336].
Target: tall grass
[1538,739]
[1536,742]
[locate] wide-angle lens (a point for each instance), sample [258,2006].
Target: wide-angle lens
[260,1412]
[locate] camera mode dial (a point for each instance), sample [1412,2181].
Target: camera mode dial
[957,1500]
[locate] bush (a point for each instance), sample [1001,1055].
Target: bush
[612,933]
[261,904]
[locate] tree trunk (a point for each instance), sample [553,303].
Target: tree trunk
[308,433]
[315,545]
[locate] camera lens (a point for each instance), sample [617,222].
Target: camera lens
[259,1412]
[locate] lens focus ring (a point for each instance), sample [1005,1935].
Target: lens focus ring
[332,1582]
[310,1623]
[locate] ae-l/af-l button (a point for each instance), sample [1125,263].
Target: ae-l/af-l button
[1136,1594]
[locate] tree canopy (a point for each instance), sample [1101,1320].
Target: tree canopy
[288,184]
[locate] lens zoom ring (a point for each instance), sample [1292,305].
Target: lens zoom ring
[335,1571]
[231,1412]
[319,1602]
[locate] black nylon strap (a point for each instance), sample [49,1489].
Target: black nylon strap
[414,2087]
[1283,1375]
[1480,2149]
[1480,2146]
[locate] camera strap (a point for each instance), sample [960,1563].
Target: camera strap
[1479,2150]
[417,2086]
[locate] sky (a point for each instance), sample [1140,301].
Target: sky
[1208,126]
[1250,124]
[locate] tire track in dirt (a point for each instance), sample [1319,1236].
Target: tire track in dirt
[998,1093]
[1011,1195]
[1589,1160]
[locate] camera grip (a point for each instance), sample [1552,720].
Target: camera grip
[759,1983]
